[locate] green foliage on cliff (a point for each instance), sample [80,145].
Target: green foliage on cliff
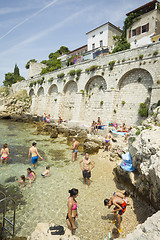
[143,110]
[28,63]
[121,43]
[14,77]
[53,63]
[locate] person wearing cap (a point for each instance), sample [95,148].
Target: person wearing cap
[33,152]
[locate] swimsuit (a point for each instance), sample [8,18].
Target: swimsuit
[34,159]
[76,151]
[123,206]
[4,157]
[86,174]
[107,141]
[73,208]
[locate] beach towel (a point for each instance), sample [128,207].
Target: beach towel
[118,133]
[126,165]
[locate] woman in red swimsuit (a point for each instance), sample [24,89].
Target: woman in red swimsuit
[72,209]
[4,153]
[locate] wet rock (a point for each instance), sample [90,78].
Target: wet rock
[10,179]
[54,134]
[72,132]
[91,147]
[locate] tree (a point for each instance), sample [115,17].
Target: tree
[16,70]
[121,44]
[9,79]
[28,63]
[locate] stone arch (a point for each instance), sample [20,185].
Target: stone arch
[53,89]
[135,87]
[31,92]
[136,75]
[94,100]
[67,108]
[40,92]
[70,87]
[96,82]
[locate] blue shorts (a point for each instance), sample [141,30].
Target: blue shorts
[76,151]
[34,159]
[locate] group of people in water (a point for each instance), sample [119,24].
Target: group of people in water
[118,199]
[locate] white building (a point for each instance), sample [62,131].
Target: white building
[102,36]
[147,25]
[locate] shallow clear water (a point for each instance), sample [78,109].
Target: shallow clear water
[46,200]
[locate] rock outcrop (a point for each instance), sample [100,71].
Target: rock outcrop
[144,147]
[150,229]
[42,232]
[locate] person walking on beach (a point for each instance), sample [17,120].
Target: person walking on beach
[120,207]
[72,209]
[34,155]
[4,153]
[86,169]
[75,149]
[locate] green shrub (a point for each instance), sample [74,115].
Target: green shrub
[123,60]
[93,68]
[141,56]
[87,70]
[72,73]
[158,103]
[60,75]
[138,132]
[101,103]
[118,61]
[155,53]
[136,58]
[77,78]
[50,80]
[123,102]
[139,79]
[55,99]
[143,110]
[64,80]
[133,139]
[78,72]
[102,73]
[114,111]
[111,64]
[31,84]
[34,83]
[82,91]
[40,81]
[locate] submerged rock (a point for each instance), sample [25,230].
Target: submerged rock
[54,134]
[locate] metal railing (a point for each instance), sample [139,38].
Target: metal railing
[4,201]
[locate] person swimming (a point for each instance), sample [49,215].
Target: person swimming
[46,173]
[4,153]
[22,181]
[72,209]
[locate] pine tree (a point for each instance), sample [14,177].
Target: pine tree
[16,70]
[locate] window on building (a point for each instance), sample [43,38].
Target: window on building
[101,43]
[138,30]
[145,28]
[101,32]
[93,46]
[133,32]
[93,36]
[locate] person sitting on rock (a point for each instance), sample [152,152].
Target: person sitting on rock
[93,127]
[124,128]
[108,139]
[122,195]
[60,120]
[99,124]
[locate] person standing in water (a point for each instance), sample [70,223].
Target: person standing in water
[72,209]
[86,170]
[34,155]
[4,153]
[75,149]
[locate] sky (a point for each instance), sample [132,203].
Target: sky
[33,29]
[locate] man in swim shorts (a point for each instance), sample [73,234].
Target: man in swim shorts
[34,155]
[75,149]
[120,207]
[86,170]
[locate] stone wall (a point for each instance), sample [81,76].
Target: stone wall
[113,94]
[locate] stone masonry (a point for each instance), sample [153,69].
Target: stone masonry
[113,94]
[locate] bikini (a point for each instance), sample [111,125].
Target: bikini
[73,208]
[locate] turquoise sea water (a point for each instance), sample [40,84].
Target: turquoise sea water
[46,199]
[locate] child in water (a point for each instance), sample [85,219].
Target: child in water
[22,181]
[46,173]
